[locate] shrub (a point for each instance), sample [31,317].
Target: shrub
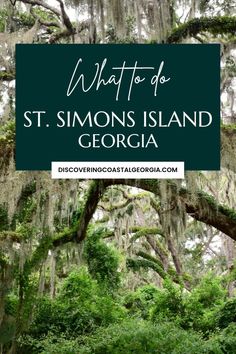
[103,261]
[79,307]
[225,341]
[227,314]
[169,303]
[140,302]
[202,304]
[143,337]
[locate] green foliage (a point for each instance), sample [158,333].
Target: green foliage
[102,260]
[80,307]
[57,345]
[3,15]
[45,15]
[169,304]
[225,341]
[23,20]
[139,302]
[7,330]
[209,292]
[142,337]
[11,305]
[195,310]
[8,131]
[203,303]
[137,264]
[227,314]
[7,141]
[84,319]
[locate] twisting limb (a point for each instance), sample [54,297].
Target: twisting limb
[65,18]
[213,25]
[128,198]
[69,29]
[95,192]
[43,22]
[42,4]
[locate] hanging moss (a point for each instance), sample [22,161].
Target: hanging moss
[214,25]
[209,201]
[228,147]
[7,143]
[27,191]
[39,254]
[4,222]
[43,199]
[26,206]
[3,16]
[13,236]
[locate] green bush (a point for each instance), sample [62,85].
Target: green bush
[140,302]
[80,307]
[169,303]
[227,314]
[102,260]
[202,304]
[143,337]
[58,345]
[225,341]
[195,310]
[209,292]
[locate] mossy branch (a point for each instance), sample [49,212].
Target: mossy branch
[7,76]
[137,264]
[156,264]
[94,194]
[10,235]
[145,231]
[202,207]
[214,25]
[151,259]
[38,256]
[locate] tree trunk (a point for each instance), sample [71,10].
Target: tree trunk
[92,27]
[118,17]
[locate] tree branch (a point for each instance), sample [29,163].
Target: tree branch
[95,192]
[43,22]
[7,76]
[42,4]
[65,18]
[202,207]
[214,25]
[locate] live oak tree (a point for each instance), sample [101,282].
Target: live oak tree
[44,224]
